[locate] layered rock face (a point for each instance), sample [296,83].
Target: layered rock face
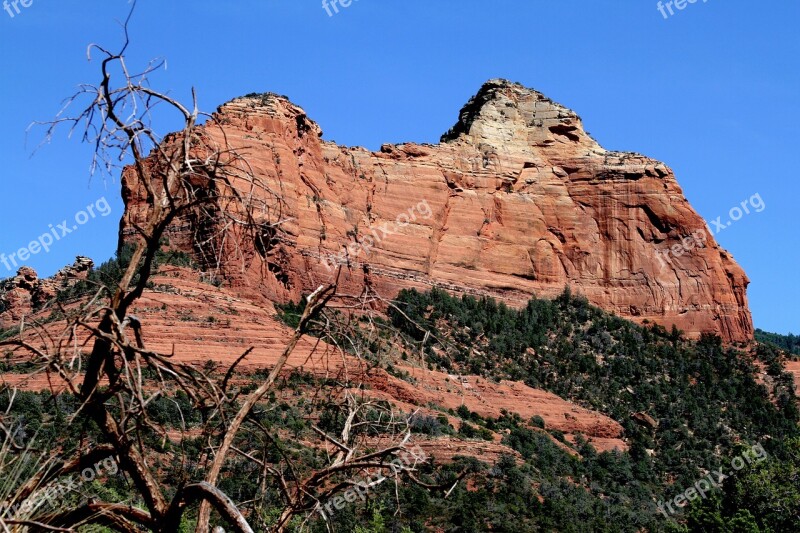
[516,200]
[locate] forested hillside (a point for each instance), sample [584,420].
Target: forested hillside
[688,409]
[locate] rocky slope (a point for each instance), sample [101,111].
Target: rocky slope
[26,291]
[794,368]
[516,199]
[198,322]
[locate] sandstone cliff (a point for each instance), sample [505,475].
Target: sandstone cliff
[516,199]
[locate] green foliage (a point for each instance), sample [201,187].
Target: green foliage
[705,397]
[468,431]
[431,426]
[766,497]
[291,313]
[377,524]
[8,333]
[537,421]
[3,301]
[176,411]
[789,343]
[262,97]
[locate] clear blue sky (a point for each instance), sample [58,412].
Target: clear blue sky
[712,91]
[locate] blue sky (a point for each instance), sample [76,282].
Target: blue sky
[711,90]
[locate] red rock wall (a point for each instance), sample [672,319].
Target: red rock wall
[517,199]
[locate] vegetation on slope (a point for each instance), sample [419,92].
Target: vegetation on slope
[709,402]
[710,405]
[790,343]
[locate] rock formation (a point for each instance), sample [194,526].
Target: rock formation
[26,292]
[517,199]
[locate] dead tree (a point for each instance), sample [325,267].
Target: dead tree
[183,172]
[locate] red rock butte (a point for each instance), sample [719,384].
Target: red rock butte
[516,200]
